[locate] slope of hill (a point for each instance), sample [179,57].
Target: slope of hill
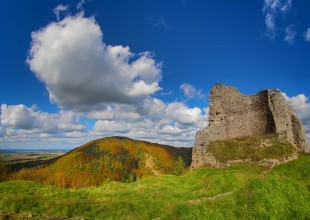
[243,191]
[265,150]
[114,158]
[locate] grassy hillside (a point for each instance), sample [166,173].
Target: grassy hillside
[242,191]
[107,159]
[255,148]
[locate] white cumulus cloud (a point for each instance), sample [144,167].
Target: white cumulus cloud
[17,116]
[190,91]
[152,107]
[80,71]
[111,126]
[22,117]
[168,129]
[105,114]
[180,113]
[301,105]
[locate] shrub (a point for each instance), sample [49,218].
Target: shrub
[179,166]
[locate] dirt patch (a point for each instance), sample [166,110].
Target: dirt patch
[212,198]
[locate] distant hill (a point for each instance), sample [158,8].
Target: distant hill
[107,159]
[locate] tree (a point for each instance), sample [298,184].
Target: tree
[3,169]
[179,166]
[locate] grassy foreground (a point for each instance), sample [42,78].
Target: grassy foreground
[239,192]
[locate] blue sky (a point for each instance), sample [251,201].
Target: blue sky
[73,71]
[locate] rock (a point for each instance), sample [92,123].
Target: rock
[234,115]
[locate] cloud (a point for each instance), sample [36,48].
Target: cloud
[180,113]
[274,6]
[168,129]
[2,131]
[190,91]
[60,9]
[22,117]
[80,4]
[273,9]
[307,35]
[17,116]
[111,126]
[159,22]
[270,26]
[301,105]
[126,112]
[166,93]
[105,114]
[152,107]
[289,34]
[153,120]
[101,89]
[163,132]
[75,134]
[80,71]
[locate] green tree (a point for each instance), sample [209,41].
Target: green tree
[3,169]
[179,166]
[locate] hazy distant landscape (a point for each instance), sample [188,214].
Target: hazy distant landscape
[20,155]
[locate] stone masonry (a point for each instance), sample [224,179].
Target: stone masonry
[234,115]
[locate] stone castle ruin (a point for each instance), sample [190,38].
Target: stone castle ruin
[234,115]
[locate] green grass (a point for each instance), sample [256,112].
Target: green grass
[254,148]
[255,193]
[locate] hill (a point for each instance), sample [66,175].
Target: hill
[243,191]
[113,158]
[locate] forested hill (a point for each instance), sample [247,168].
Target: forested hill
[108,159]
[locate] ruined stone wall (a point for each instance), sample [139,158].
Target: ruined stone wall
[234,115]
